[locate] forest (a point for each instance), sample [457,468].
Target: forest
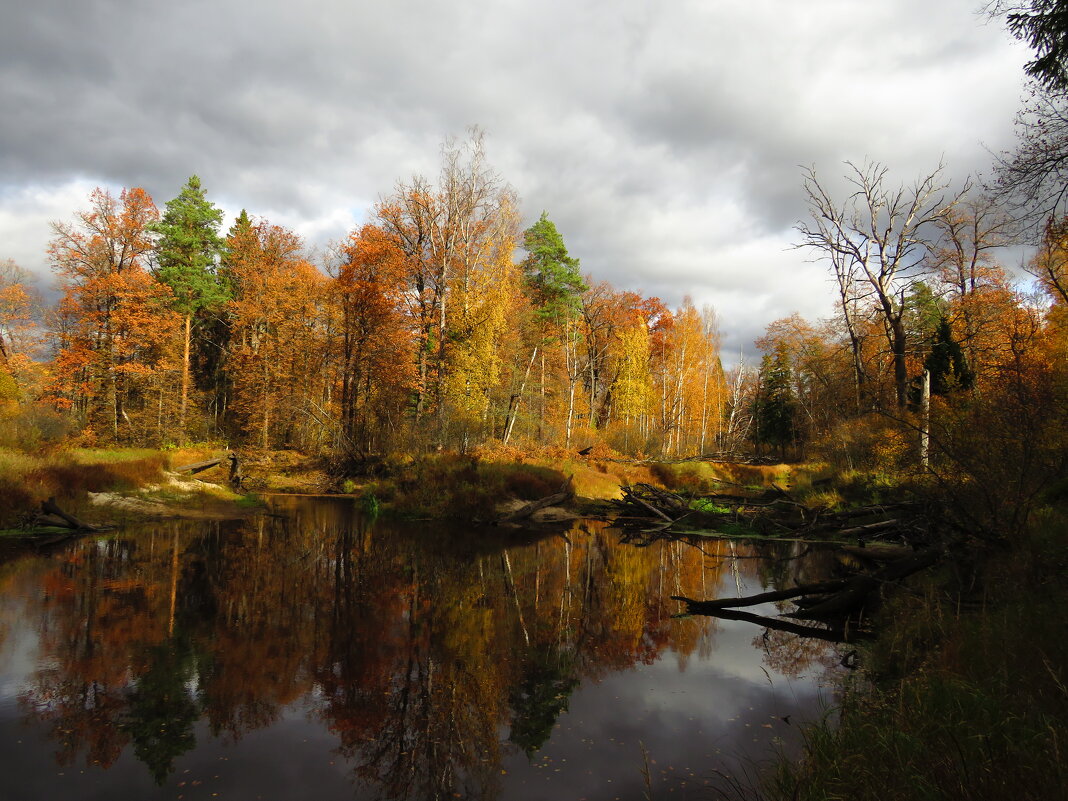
[423,331]
[447,328]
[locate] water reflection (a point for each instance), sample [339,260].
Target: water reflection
[420,662]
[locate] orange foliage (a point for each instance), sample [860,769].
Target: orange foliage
[278,348]
[116,331]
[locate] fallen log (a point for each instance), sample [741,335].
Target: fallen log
[843,634]
[859,588]
[700,607]
[828,599]
[869,528]
[878,551]
[197,467]
[52,515]
[566,492]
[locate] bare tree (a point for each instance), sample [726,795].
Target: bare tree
[877,239]
[1032,181]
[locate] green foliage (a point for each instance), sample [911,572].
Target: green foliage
[774,405]
[369,502]
[553,277]
[539,699]
[1043,25]
[709,506]
[162,710]
[188,248]
[947,363]
[923,312]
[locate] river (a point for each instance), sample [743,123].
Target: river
[312,653]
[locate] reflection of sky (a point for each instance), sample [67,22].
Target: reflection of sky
[720,713]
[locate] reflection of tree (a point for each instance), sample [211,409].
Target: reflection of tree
[791,654]
[161,711]
[539,698]
[417,651]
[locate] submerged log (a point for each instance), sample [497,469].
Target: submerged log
[566,492]
[700,607]
[861,587]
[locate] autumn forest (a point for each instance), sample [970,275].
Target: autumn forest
[424,331]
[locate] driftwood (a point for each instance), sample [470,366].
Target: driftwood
[566,492]
[773,513]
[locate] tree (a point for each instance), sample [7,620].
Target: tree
[774,405]
[116,324]
[552,276]
[881,236]
[277,349]
[1043,25]
[946,363]
[1050,264]
[376,335]
[187,251]
[555,288]
[447,234]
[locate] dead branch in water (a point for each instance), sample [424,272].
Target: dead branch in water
[828,600]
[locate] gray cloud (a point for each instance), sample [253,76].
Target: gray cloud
[664,141]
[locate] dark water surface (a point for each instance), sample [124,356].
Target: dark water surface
[314,654]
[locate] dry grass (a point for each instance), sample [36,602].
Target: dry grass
[69,476]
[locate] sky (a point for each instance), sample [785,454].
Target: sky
[665,140]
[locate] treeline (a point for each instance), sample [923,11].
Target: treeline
[422,330]
[441,324]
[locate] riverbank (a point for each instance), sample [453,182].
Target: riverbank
[110,486]
[964,692]
[480,486]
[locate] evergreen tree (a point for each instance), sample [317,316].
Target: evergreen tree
[947,363]
[187,252]
[774,406]
[552,275]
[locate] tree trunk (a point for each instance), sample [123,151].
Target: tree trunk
[513,408]
[185,379]
[901,375]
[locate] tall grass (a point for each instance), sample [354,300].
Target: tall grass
[965,694]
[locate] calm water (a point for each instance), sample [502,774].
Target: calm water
[313,654]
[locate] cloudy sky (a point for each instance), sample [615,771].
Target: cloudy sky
[664,139]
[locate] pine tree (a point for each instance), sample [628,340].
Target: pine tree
[552,275]
[774,406]
[187,252]
[947,363]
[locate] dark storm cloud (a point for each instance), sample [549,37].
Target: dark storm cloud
[665,142]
